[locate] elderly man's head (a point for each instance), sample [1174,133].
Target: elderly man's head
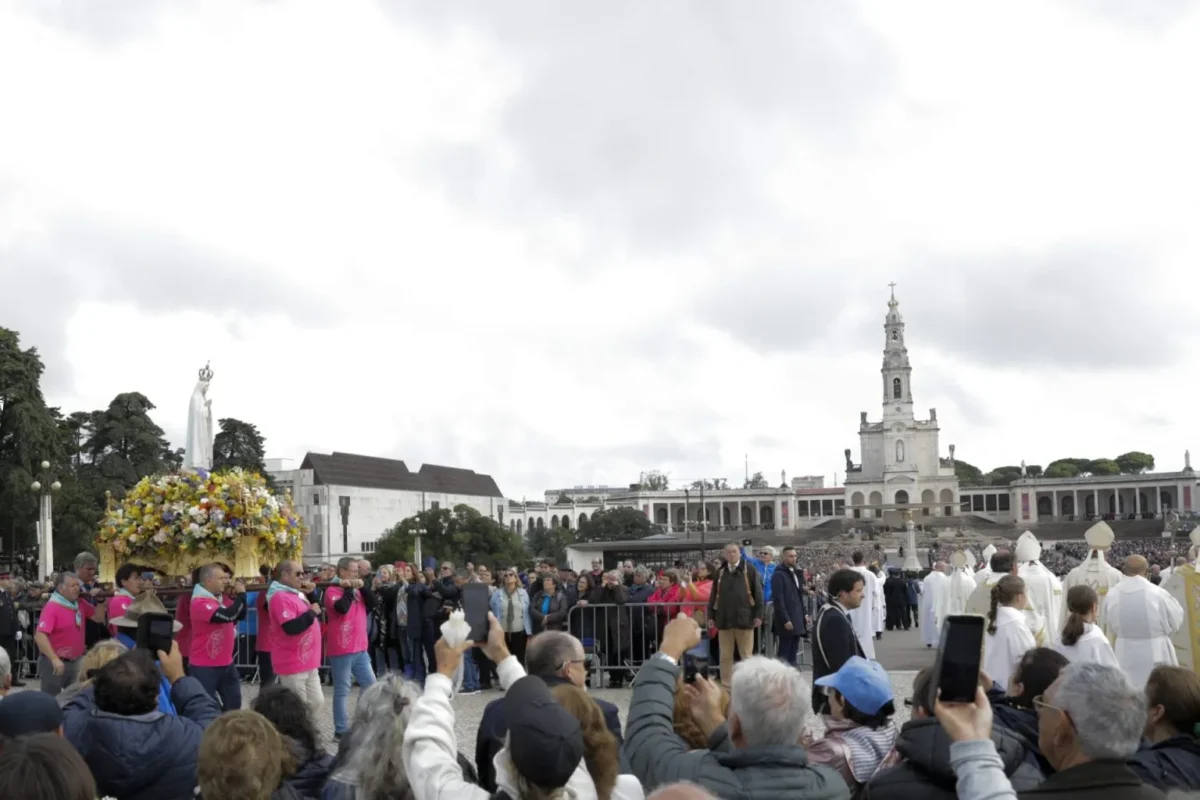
[769,703]
[85,567]
[555,654]
[1091,712]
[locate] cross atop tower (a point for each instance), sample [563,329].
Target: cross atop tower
[892,286]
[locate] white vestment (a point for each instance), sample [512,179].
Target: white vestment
[863,617]
[1003,650]
[1096,573]
[1045,593]
[1092,648]
[931,593]
[981,603]
[982,575]
[955,594]
[1143,617]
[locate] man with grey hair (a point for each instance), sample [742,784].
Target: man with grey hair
[86,566]
[769,702]
[1090,721]
[59,637]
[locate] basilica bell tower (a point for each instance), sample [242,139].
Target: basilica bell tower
[897,372]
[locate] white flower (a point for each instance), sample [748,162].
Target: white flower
[193,529]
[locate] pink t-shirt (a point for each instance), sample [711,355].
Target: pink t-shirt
[345,634]
[183,615]
[212,643]
[293,654]
[66,637]
[116,608]
[265,628]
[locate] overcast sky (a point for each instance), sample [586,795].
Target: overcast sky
[562,243]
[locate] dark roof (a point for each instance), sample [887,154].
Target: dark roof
[369,472]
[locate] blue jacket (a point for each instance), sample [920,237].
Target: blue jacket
[1171,764]
[497,604]
[164,692]
[791,603]
[147,757]
[765,571]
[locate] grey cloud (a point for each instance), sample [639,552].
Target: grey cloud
[79,260]
[931,382]
[654,122]
[1070,308]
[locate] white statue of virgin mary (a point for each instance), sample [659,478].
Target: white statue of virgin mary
[197,453]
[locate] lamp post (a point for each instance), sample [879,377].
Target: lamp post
[46,486]
[418,533]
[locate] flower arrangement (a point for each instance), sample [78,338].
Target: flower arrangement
[201,513]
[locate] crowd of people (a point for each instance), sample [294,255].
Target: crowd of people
[1060,710]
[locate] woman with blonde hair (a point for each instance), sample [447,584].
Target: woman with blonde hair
[101,653]
[1008,635]
[243,757]
[601,752]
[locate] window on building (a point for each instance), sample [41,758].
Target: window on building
[977,502]
[316,499]
[368,547]
[1004,506]
[989,502]
[896,393]
[899,452]
[435,505]
[895,336]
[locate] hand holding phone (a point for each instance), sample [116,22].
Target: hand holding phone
[475,601]
[960,651]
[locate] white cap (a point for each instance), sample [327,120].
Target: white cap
[1099,536]
[1028,548]
[958,559]
[988,552]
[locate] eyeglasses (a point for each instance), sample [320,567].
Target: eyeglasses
[1039,703]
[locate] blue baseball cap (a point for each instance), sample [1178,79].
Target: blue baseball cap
[865,684]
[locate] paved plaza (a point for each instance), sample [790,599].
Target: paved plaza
[900,652]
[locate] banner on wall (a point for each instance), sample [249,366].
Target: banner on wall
[1024,505]
[646,510]
[783,513]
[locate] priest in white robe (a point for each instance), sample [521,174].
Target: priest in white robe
[1002,563]
[1095,572]
[983,574]
[1042,589]
[1143,618]
[863,617]
[880,616]
[931,594]
[957,591]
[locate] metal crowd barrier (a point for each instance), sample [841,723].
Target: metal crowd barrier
[619,637]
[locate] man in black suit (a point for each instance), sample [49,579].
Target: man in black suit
[834,640]
[791,606]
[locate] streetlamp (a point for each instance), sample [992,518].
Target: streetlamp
[46,486]
[418,533]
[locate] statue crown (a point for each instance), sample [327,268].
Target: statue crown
[206,372]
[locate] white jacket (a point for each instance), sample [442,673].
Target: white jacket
[430,750]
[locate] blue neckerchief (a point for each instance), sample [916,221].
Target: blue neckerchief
[65,603]
[335,579]
[200,591]
[126,593]
[277,587]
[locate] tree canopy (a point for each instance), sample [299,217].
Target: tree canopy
[655,481]
[1131,463]
[615,525]
[755,481]
[459,535]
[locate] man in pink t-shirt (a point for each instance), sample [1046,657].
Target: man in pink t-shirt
[129,586]
[214,618]
[347,604]
[296,634]
[59,637]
